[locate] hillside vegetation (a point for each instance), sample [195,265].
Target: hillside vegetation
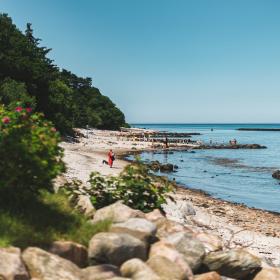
[29,76]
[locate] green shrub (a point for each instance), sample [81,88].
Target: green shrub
[29,151]
[135,187]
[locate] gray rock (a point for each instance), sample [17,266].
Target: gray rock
[191,248]
[138,270]
[117,213]
[169,252]
[166,269]
[211,242]
[236,263]
[115,248]
[71,251]
[84,205]
[137,227]
[46,266]
[101,272]
[11,265]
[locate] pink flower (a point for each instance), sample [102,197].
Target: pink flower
[6,120]
[53,129]
[28,110]
[18,109]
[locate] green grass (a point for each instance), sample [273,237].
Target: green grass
[39,220]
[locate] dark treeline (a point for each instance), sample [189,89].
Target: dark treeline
[28,75]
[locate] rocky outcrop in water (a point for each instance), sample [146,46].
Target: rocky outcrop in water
[157,166]
[276,174]
[238,146]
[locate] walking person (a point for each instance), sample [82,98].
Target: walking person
[111,158]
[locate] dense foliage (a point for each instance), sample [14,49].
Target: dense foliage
[135,187]
[28,75]
[29,151]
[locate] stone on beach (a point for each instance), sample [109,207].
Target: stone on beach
[46,266]
[155,216]
[168,251]
[138,270]
[71,251]
[191,248]
[208,276]
[115,248]
[84,205]
[268,274]
[11,265]
[117,213]
[211,242]
[167,269]
[101,272]
[137,227]
[236,263]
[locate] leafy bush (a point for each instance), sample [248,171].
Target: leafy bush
[135,187]
[29,151]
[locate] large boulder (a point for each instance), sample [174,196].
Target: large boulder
[268,274]
[71,251]
[117,213]
[115,248]
[137,227]
[155,216]
[167,227]
[11,265]
[191,248]
[84,205]
[178,210]
[211,242]
[138,270]
[276,174]
[236,263]
[101,272]
[46,266]
[168,251]
[166,269]
[208,276]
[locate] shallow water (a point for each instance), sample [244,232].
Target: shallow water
[242,176]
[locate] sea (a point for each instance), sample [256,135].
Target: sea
[241,176]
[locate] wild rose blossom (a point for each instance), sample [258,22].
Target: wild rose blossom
[6,120]
[18,109]
[53,129]
[28,110]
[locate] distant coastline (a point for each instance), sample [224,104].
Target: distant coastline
[258,129]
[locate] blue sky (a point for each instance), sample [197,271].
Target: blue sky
[176,61]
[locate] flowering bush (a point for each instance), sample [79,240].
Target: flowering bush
[29,151]
[135,187]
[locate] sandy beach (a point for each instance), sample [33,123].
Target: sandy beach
[238,225]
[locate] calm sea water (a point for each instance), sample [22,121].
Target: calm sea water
[242,176]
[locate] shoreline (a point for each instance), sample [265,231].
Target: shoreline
[256,229]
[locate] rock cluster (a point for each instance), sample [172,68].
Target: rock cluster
[276,174]
[167,167]
[138,246]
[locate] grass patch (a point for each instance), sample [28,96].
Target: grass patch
[42,219]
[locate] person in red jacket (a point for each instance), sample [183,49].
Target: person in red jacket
[111,158]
